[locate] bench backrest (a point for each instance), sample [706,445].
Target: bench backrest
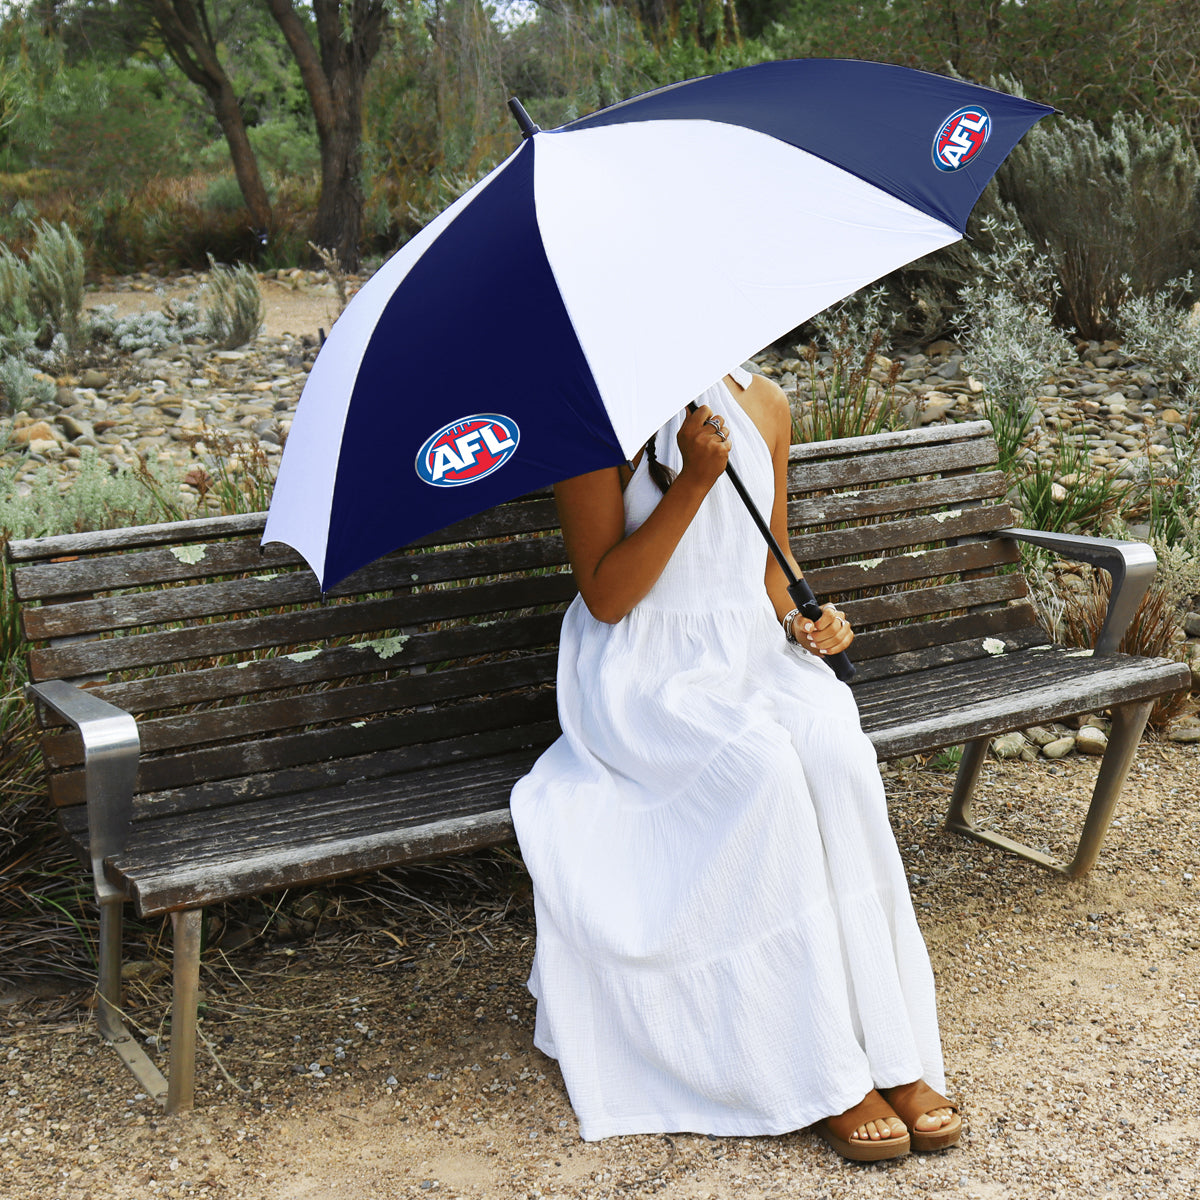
[241,674]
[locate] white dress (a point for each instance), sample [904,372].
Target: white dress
[725,939]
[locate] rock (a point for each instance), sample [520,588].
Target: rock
[935,349]
[1191,624]
[73,428]
[1039,735]
[936,407]
[1185,729]
[34,431]
[43,446]
[1090,740]
[1058,493]
[1009,745]
[93,379]
[1059,748]
[1170,416]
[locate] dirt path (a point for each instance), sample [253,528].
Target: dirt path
[302,306]
[389,1055]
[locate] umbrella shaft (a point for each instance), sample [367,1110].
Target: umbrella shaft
[763,527]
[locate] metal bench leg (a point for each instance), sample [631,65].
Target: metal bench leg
[1128,722]
[108,1003]
[974,755]
[181,1088]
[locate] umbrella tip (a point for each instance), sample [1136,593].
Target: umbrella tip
[528,128]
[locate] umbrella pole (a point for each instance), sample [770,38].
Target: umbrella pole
[801,594]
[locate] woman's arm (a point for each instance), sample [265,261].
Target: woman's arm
[768,407]
[613,572]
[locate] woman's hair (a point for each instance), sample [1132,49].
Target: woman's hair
[662,476]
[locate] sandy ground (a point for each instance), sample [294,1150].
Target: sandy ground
[299,306]
[389,1054]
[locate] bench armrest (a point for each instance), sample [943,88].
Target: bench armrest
[110,762]
[1130,564]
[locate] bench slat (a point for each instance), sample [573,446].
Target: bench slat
[320,746]
[973,627]
[865,541]
[848,579]
[920,602]
[874,443]
[255,719]
[865,469]
[968,702]
[266,591]
[904,497]
[304,629]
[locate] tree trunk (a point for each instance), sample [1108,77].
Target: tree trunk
[334,80]
[189,41]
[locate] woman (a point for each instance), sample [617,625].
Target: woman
[726,944]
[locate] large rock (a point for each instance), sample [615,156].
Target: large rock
[1090,740]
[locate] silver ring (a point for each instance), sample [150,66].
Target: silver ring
[716,425]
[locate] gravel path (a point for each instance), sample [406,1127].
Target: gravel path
[391,1056]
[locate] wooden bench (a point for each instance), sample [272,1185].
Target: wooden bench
[213,728]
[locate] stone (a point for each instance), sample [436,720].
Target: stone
[94,379]
[1170,416]
[1185,729]
[1090,740]
[1191,624]
[936,349]
[1039,735]
[34,431]
[1059,748]
[1009,745]
[43,446]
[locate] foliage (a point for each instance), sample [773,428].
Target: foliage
[21,388]
[148,329]
[56,277]
[850,396]
[1160,328]
[1116,213]
[233,312]
[1057,488]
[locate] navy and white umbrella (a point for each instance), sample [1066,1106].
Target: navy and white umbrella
[609,271]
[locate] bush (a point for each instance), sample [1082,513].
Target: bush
[1117,213]
[233,314]
[1160,329]
[56,277]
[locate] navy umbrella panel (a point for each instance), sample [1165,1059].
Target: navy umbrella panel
[606,273]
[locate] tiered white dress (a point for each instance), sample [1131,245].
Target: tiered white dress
[725,939]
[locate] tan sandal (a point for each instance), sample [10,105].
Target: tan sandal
[836,1131]
[911,1102]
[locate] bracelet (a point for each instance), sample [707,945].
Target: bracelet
[787,627]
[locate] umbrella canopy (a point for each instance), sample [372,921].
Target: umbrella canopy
[606,273]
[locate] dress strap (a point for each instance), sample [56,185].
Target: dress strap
[741,377]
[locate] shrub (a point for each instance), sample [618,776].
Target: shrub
[148,329]
[21,387]
[56,275]
[1116,213]
[233,314]
[1160,329]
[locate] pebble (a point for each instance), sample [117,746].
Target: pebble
[1090,740]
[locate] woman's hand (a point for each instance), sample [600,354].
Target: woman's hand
[704,442]
[831,634]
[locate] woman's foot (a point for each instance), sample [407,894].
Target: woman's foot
[932,1119]
[868,1132]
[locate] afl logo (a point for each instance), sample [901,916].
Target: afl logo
[467,450]
[961,137]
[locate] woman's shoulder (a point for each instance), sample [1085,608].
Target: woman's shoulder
[766,405]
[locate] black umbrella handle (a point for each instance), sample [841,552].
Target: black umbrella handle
[803,598]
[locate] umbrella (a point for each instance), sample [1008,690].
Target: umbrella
[554,316]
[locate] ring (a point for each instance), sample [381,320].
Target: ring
[716,424]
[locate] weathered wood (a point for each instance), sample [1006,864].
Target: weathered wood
[861,505]
[867,470]
[869,540]
[874,443]
[257,718]
[961,706]
[852,578]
